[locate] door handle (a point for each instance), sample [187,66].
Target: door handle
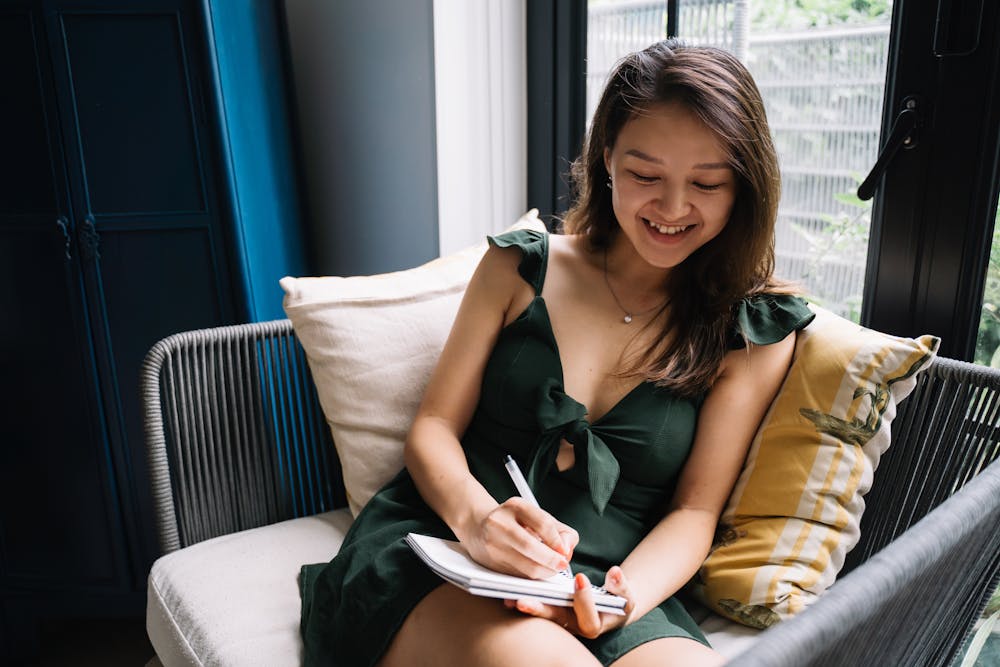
[902,135]
[63,224]
[89,239]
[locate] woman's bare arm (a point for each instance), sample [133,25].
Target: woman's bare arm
[505,537]
[733,410]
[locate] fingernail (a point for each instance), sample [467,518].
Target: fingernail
[562,565]
[580,581]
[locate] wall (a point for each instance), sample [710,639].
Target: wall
[363,73]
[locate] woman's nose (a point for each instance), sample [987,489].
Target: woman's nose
[673,203]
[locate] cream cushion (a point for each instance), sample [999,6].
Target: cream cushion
[371,343]
[796,507]
[234,600]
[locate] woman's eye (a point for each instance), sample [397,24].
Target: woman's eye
[708,187]
[643,179]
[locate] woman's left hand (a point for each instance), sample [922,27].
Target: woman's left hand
[582,618]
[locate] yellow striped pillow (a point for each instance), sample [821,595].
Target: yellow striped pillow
[795,509]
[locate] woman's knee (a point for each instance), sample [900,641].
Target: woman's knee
[450,626]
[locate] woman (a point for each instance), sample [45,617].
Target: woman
[625,365]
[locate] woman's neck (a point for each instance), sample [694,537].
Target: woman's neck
[633,278]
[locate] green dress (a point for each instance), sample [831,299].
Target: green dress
[626,466]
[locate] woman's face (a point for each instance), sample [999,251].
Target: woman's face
[673,187]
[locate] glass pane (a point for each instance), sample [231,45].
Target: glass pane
[988,341]
[616,28]
[821,72]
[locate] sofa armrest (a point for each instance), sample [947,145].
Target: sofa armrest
[234,433]
[912,603]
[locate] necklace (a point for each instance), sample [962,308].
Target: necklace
[628,316]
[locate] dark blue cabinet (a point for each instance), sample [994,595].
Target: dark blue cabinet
[145,188]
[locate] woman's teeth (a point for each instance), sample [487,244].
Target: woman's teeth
[665,229]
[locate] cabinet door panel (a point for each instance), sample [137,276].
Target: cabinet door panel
[137,131]
[133,112]
[25,170]
[57,518]
[59,524]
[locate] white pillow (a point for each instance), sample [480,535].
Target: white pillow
[372,342]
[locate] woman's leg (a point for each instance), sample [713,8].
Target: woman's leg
[452,627]
[669,651]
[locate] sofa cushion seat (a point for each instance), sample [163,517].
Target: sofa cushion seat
[234,600]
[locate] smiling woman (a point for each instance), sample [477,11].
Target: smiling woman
[687,145]
[631,435]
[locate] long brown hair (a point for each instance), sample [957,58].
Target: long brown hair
[704,291]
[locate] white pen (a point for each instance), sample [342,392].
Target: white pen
[521,484]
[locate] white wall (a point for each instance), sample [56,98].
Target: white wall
[481,107]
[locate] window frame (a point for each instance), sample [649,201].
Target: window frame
[932,219]
[557,99]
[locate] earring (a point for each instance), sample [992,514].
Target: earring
[610,186]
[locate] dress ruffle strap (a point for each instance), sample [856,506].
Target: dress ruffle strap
[534,251]
[768,318]
[559,417]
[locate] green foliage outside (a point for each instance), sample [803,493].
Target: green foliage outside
[994,604]
[988,341]
[803,14]
[845,236]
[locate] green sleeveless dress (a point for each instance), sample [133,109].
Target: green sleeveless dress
[627,463]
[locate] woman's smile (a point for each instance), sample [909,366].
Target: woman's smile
[668,229]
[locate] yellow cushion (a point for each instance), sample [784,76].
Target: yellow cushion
[371,343]
[795,509]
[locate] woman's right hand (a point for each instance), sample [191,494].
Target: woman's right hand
[518,538]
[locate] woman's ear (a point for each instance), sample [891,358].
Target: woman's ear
[607,160]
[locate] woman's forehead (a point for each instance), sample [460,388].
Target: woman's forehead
[670,132]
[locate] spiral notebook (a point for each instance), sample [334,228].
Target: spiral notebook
[450,561]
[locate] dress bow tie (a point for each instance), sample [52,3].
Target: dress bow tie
[560,416]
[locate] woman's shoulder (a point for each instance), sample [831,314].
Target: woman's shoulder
[766,318]
[573,245]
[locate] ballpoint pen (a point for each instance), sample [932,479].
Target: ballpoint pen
[521,484]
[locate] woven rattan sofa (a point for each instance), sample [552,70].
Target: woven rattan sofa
[247,487]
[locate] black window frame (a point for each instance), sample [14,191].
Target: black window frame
[933,214]
[557,99]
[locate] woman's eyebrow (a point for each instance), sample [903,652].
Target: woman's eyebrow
[635,152]
[712,165]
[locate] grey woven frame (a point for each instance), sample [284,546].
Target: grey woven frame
[236,439]
[235,436]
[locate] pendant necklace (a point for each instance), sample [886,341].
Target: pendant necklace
[628,316]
